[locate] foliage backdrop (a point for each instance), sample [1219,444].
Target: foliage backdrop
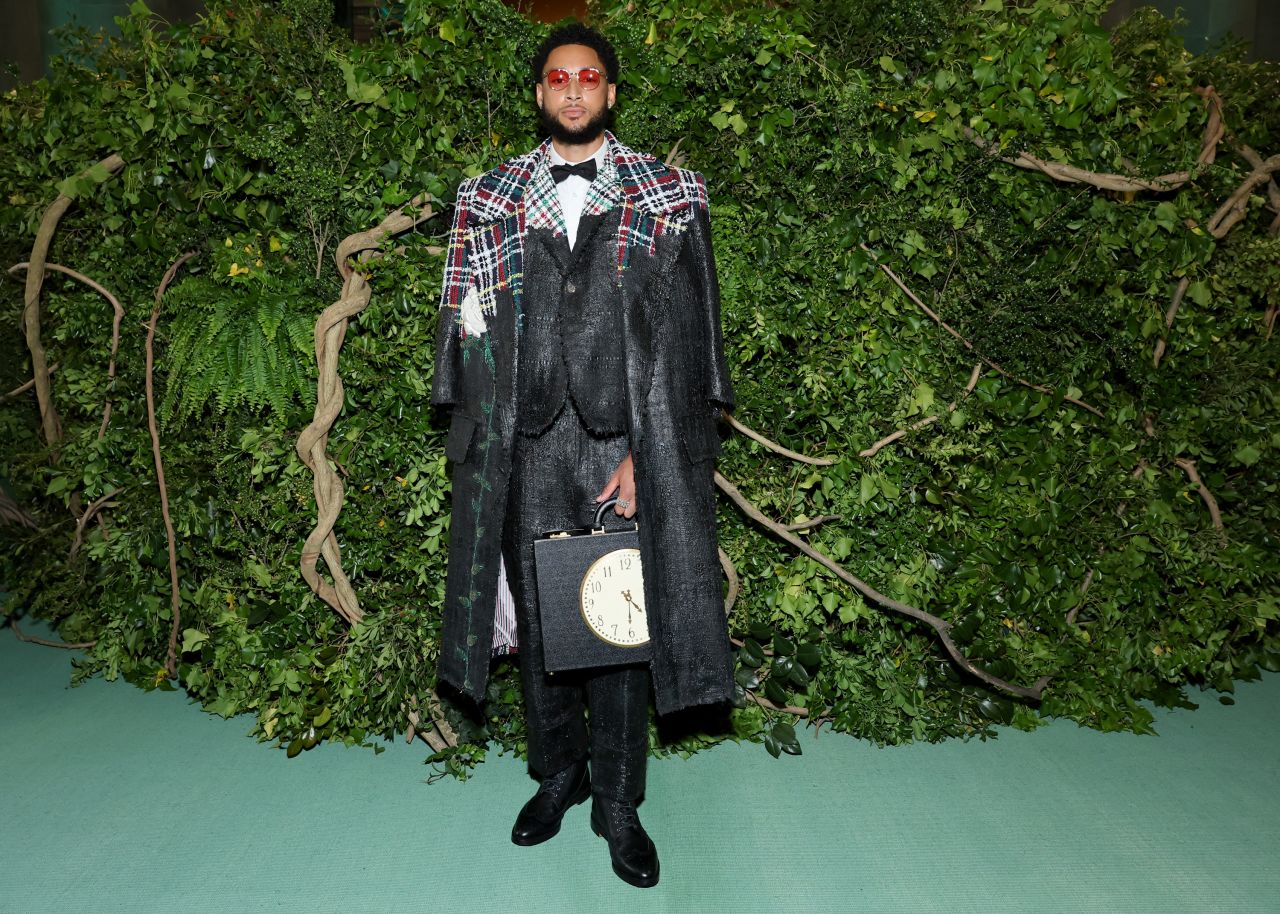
[1059,542]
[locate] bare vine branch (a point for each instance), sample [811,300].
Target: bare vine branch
[115,329]
[49,421]
[427,734]
[13,513]
[676,157]
[940,626]
[171,660]
[32,639]
[786,709]
[1234,208]
[331,328]
[810,524]
[1273,189]
[1169,316]
[1084,589]
[928,420]
[731,574]
[1215,514]
[888,271]
[436,733]
[1070,174]
[94,507]
[775,447]
[27,385]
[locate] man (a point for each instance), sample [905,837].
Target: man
[580,350]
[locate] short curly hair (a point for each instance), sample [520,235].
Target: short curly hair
[576,33]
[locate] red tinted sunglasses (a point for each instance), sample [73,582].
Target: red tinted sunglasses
[588,78]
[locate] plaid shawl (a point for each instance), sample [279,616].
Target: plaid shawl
[495,211]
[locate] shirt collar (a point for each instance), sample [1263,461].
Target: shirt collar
[554,158]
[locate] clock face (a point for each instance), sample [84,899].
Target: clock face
[612,599]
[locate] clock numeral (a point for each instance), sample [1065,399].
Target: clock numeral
[607,572]
[596,587]
[591,602]
[625,562]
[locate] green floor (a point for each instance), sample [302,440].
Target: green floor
[120,800]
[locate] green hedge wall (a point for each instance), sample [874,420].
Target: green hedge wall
[843,142]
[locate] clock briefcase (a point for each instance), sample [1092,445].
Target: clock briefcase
[591,596]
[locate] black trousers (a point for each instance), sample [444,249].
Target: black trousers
[555,478]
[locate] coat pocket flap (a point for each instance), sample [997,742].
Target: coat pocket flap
[461,431]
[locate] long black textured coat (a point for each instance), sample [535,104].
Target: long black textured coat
[663,287]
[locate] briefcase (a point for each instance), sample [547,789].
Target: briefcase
[591,596]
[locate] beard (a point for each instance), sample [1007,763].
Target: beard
[586,132]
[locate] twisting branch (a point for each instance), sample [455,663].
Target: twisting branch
[331,327]
[731,574]
[940,626]
[436,733]
[27,385]
[428,734]
[171,661]
[13,513]
[1273,189]
[786,709]
[115,329]
[32,639]
[31,306]
[775,447]
[1084,589]
[1215,514]
[441,722]
[1233,209]
[94,507]
[1169,316]
[810,524]
[1070,174]
[928,420]
[888,271]
[675,156]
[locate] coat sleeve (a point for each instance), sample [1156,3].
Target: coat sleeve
[719,387]
[457,275]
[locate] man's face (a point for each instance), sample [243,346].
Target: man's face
[575,114]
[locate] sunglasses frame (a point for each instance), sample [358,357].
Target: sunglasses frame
[573,75]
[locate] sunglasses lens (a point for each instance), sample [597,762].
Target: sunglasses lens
[558,80]
[588,79]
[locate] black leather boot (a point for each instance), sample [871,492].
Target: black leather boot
[539,819]
[634,857]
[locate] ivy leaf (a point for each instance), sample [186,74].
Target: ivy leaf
[1199,292]
[192,638]
[921,399]
[1248,455]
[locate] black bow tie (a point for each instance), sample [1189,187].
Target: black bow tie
[585,169]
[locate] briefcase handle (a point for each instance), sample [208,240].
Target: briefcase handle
[598,523]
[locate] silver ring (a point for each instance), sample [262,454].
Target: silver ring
[623,504]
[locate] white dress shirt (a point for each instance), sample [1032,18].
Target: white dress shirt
[573,190]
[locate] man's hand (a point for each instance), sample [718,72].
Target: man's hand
[623,481]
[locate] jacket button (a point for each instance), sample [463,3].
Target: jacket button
[571,288]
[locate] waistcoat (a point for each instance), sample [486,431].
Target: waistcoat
[570,341]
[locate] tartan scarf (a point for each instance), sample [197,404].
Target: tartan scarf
[495,211]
